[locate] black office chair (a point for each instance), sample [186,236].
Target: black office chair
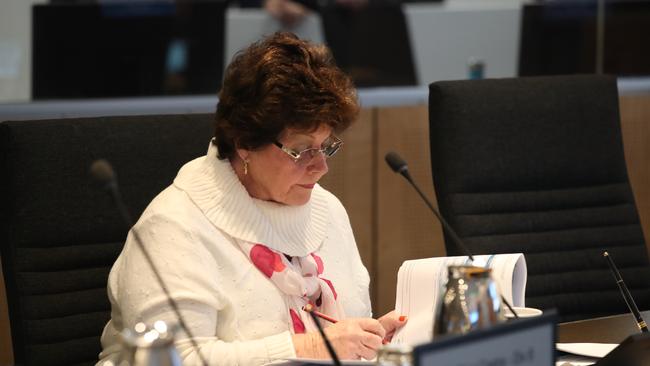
[536,165]
[60,233]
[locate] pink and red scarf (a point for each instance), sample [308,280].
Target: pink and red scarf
[300,278]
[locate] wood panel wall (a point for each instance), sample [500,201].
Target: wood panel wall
[390,221]
[406,228]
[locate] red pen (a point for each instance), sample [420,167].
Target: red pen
[310,309]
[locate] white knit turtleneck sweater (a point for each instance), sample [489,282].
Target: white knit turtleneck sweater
[235,312]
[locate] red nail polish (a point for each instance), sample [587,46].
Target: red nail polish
[402,318]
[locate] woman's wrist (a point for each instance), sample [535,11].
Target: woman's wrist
[308,345]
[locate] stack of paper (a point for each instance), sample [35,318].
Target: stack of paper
[420,283]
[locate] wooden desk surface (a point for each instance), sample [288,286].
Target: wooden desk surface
[609,329]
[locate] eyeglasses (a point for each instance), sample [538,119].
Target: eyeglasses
[303,158]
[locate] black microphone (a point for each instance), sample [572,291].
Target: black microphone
[103,172]
[398,165]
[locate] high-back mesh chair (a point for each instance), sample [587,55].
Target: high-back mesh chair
[60,232]
[536,165]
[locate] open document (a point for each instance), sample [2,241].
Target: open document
[421,282]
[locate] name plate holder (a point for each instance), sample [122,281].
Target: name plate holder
[522,342]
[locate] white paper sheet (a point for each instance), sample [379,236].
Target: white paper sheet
[596,350]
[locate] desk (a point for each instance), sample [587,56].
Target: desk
[609,329]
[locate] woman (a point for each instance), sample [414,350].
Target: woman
[245,237]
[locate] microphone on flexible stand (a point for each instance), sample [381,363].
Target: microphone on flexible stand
[398,165]
[103,172]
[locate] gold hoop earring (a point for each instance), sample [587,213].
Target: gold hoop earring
[245,166]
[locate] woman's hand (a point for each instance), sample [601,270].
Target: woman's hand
[352,339]
[392,322]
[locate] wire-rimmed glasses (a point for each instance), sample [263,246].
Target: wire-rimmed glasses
[303,158]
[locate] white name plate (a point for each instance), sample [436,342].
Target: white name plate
[524,342]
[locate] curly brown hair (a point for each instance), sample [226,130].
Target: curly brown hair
[279,83]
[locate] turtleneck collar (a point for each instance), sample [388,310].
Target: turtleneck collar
[214,187]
